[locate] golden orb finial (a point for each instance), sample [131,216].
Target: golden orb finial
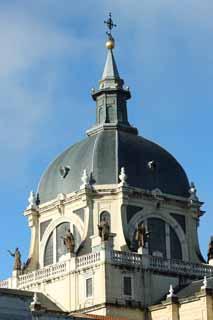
[110,44]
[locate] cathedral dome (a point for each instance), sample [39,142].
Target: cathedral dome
[112,144]
[147,165]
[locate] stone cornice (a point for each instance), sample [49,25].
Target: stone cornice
[128,193]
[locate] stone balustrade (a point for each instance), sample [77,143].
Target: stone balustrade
[161,265]
[57,270]
[130,259]
[5,284]
[46,273]
[88,259]
[126,258]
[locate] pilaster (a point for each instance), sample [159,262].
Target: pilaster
[32,213]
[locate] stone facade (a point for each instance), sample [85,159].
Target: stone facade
[108,264]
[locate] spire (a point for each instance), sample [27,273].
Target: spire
[111,97]
[110,69]
[110,77]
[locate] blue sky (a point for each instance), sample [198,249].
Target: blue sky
[52,54]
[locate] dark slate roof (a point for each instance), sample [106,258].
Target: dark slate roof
[14,304]
[193,288]
[103,154]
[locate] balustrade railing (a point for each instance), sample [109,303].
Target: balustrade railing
[57,270]
[4,284]
[88,259]
[181,267]
[44,273]
[160,264]
[119,257]
[145,262]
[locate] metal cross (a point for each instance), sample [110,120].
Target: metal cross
[110,24]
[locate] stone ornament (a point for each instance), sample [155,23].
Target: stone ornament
[61,197]
[193,192]
[157,193]
[85,180]
[32,201]
[60,204]
[35,298]
[35,304]
[123,177]
[171,292]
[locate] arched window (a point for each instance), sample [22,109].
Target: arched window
[55,247]
[157,239]
[163,240]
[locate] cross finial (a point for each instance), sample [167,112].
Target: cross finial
[109,24]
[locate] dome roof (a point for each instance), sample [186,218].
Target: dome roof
[103,154]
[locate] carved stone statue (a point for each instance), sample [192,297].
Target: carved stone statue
[210,249]
[104,230]
[69,241]
[142,235]
[17,259]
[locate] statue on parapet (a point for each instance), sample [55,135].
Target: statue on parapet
[142,235]
[104,230]
[17,259]
[69,241]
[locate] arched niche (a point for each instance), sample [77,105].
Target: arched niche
[105,216]
[167,239]
[52,245]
